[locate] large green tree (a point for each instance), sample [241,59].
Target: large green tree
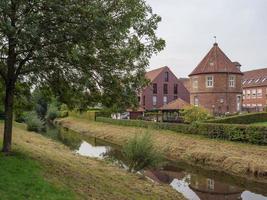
[92,47]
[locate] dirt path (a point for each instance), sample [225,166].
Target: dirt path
[244,160]
[88,178]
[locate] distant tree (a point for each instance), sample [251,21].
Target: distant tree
[195,114]
[75,47]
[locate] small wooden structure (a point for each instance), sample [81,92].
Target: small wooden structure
[171,111]
[136,113]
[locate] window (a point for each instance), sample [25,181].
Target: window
[154,100]
[209,81]
[175,89]
[165,88]
[155,88]
[166,76]
[232,81]
[144,100]
[248,94]
[244,94]
[253,94]
[210,184]
[165,100]
[259,93]
[196,101]
[195,83]
[139,99]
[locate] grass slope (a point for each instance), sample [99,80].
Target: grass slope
[22,178]
[62,168]
[240,159]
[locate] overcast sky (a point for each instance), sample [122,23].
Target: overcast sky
[188,27]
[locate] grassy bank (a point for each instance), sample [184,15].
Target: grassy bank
[244,160]
[44,169]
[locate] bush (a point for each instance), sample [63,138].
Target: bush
[139,153]
[195,114]
[34,123]
[183,128]
[20,117]
[243,119]
[232,132]
[52,112]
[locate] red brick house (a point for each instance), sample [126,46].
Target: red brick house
[216,83]
[164,87]
[255,90]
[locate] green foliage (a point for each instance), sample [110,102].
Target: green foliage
[34,123]
[195,114]
[182,128]
[140,153]
[22,178]
[53,111]
[232,132]
[243,118]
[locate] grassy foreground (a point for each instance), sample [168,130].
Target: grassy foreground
[41,168]
[244,160]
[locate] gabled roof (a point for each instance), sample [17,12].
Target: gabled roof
[254,78]
[151,75]
[176,104]
[216,62]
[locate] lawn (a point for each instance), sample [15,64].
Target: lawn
[22,178]
[240,159]
[41,168]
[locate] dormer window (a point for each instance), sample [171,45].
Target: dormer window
[209,81]
[166,76]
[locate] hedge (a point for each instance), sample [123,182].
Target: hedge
[89,115]
[146,124]
[242,119]
[230,132]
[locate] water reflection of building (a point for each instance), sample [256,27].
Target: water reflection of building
[209,189]
[204,188]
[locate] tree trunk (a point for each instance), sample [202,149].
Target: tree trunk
[9,98]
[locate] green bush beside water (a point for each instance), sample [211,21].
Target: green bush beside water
[242,119]
[232,132]
[34,123]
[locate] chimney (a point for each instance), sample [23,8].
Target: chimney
[237,65]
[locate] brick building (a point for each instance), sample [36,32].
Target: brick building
[255,90]
[164,88]
[216,83]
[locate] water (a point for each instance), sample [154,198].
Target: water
[193,182]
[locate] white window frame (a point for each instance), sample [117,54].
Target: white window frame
[165,100]
[248,94]
[209,81]
[196,101]
[259,93]
[232,81]
[195,83]
[254,93]
[154,100]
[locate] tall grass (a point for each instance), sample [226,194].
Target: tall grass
[140,153]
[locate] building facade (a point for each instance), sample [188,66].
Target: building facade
[216,83]
[255,90]
[164,87]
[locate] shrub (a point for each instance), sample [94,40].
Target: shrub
[195,114]
[242,119]
[20,117]
[139,153]
[34,123]
[52,112]
[232,132]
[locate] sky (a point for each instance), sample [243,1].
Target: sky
[189,27]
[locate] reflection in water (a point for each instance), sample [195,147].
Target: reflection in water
[89,150]
[193,184]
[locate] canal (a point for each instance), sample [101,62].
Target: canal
[193,182]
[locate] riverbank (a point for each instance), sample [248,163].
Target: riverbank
[244,160]
[82,177]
